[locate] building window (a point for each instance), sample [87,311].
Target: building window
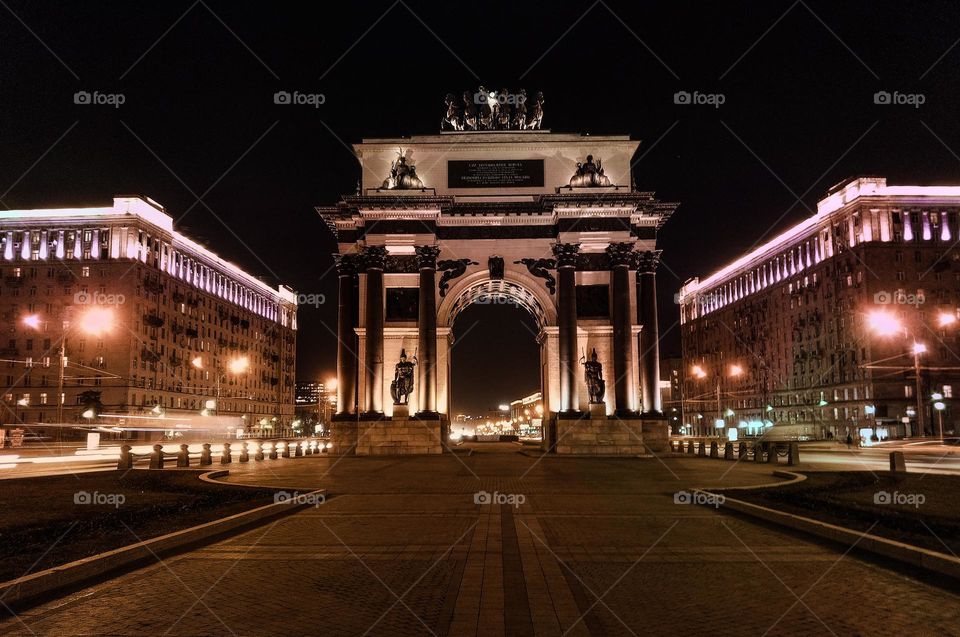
[85,271]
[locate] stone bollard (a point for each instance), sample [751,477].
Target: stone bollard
[273,451]
[714,449]
[742,450]
[183,457]
[126,458]
[258,456]
[205,456]
[728,451]
[227,456]
[156,458]
[758,451]
[794,454]
[298,452]
[244,452]
[286,449]
[772,453]
[690,449]
[703,449]
[898,463]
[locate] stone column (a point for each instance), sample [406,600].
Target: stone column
[374,258]
[347,265]
[650,332]
[621,258]
[566,254]
[427,330]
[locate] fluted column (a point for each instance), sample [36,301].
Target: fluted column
[347,265]
[566,254]
[621,258]
[374,260]
[650,332]
[427,329]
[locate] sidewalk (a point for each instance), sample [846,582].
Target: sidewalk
[575,546]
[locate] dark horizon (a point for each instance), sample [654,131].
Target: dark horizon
[199,119]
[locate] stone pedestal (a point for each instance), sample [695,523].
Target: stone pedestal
[604,436]
[598,410]
[396,436]
[401,412]
[656,434]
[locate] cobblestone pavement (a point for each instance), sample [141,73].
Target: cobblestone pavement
[577,546]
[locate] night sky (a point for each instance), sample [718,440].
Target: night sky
[199,121]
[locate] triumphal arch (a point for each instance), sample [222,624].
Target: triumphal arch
[549,221]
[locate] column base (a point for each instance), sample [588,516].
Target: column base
[600,437]
[397,436]
[570,414]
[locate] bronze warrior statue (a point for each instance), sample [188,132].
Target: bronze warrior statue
[402,385]
[593,375]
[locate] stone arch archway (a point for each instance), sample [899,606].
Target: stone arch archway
[515,287]
[570,254]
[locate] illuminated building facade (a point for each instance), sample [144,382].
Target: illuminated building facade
[844,324]
[150,319]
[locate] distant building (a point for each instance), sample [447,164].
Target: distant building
[153,323]
[822,330]
[671,391]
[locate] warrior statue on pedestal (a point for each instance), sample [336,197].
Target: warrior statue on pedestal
[593,376]
[402,385]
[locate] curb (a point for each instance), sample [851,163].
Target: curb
[32,587]
[915,556]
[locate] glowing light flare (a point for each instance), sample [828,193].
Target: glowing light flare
[946,318]
[919,348]
[97,321]
[884,323]
[698,372]
[238,365]
[736,370]
[32,321]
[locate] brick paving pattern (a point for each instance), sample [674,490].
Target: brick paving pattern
[598,547]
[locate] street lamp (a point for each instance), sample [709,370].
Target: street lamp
[237,365]
[96,321]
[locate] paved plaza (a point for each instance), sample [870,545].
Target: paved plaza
[575,546]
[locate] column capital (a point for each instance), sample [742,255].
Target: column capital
[566,254]
[427,257]
[374,257]
[621,253]
[347,264]
[648,261]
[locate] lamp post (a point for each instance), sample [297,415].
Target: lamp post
[236,366]
[96,321]
[884,323]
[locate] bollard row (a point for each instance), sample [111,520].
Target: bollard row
[160,459]
[759,451]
